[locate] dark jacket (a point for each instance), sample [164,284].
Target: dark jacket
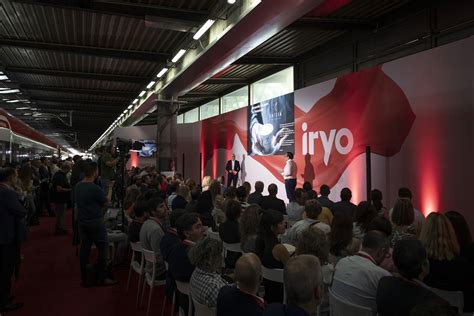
[180,266]
[325,201]
[273,203]
[11,214]
[344,208]
[228,165]
[233,302]
[278,309]
[396,296]
[254,198]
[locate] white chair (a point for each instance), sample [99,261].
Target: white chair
[454,298]
[184,289]
[150,257]
[203,310]
[340,307]
[136,266]
[275,275]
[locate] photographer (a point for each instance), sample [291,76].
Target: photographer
[107,170]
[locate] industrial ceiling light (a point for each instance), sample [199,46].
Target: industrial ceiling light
[203,29]
[13,101]
[178,55]
[150,84]
[8,91]
[3,77]
[162,72]
[135,101]
[142,93]
[230,1]
[130,106]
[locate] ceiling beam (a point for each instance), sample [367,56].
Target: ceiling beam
[124,94]
[75,74]
[226,81]
[199,95]
[87,50]
[123,8]
[325,23]
[38,99]
[264,60]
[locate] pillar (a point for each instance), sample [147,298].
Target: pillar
[166,130]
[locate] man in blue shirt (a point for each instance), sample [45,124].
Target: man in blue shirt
[90,202]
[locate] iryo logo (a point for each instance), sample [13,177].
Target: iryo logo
[334,138]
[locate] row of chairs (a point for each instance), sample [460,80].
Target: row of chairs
[148,278]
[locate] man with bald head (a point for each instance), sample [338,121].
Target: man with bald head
[303,281]
[242,299]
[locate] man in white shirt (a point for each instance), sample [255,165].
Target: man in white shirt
[289,174]
[312,209]
[357,277]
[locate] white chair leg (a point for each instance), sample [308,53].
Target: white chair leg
[143,293]
[190,305]
[164,305]
[149,300]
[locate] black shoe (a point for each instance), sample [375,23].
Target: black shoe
[10,307]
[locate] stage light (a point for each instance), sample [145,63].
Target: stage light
[203,29]
[178,55]
[150,84]
[162,72]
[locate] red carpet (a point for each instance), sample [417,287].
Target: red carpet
[49,282]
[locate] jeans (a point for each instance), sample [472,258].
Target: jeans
[94,234]
[104,183]
[8,254]
[290,186]
[60,210]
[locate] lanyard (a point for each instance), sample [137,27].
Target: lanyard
[366,256]
[158,222]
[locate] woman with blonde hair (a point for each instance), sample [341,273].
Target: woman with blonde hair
[206,183]
[448,271]
[403,221]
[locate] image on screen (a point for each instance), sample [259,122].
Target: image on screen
[148,149]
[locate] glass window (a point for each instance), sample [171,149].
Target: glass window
[273,86]
[191,116]
[209,109]
[235,100]
[180,119]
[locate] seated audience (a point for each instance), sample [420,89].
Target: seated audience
[182,197]
[463,235]
[190,230]
[171,238]
[341,242]
[206,281]
[247,187]
[242,197]
[308,189]
[430,309]
[206,183]
[376,199]
[217,212]
[357,277]
[141,213]
[271,202]
[405,193]
[241,299]
[383,225]
[230,193]
[249,223]
[399,295]
[229,231]
[314,242]
[254,198]
[204,208]
[403,218]
[172,193]
[151,233]
[364,214]
[192,205]
[448,271]
[302,277]
[271,252]
[312,209]
[325,216]
[344,207]
[324,198]
[295,208]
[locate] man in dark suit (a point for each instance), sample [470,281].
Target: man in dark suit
[344,207]
[271,202]
[324,198]
[11,215]
[232,167]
